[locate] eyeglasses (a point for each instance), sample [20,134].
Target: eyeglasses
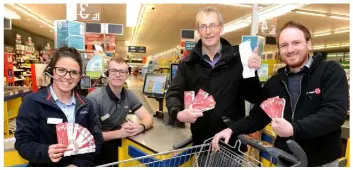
[60,71]
[115,71]
[212,27]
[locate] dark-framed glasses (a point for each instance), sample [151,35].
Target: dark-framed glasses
[115,72]
[60,71]
[212,27]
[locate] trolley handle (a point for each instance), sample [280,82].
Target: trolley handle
[298,158]
[183,144]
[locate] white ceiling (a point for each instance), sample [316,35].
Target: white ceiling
[160,29]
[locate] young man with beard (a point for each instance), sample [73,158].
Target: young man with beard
[112,103]
[316,94]
[215,66]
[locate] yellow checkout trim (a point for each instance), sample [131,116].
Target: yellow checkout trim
[131,150]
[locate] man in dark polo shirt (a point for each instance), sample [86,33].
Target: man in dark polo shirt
[112,103]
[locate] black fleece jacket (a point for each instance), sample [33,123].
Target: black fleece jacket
[319,112]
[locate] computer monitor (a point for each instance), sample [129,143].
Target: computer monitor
[173,70]
[85,82]
[154,85]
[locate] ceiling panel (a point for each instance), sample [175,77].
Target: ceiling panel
[161,26]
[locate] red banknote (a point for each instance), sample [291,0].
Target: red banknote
[188,98]
[205,104]
[274,107]
[61,134]
[202,101]
[200,96]
[78,138]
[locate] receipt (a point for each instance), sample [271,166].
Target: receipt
[245,53]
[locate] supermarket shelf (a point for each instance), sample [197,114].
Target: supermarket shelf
[11,95]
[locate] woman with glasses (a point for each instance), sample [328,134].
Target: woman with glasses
[39,113]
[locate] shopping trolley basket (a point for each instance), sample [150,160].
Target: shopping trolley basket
[227,156]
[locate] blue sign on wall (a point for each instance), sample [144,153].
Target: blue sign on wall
[70,33]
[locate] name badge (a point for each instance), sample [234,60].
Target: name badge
[105,117]
[54,121]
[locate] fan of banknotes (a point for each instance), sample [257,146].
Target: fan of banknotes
[274,107]
[78,139]
[202,101]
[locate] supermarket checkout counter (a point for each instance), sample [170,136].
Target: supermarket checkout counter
[12,101]
[160,138]
[345,130]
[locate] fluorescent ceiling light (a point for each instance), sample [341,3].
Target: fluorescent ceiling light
[340,17]
[332,46]
[310,13]
[276,10]
[322,34]
[229,27]
[265,13]
[345,45]
[322,13]
[239,5]
[10,14]
[132,13]
[318,47]
[32,14]
[341,31]
[139,19]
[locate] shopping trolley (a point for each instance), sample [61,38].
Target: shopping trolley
[227,156]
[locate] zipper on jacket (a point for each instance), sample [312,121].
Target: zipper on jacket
[290,99]
[300,91]
[295,106]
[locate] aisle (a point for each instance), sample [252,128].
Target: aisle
[135,86]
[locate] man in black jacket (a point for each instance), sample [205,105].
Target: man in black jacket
[316,94]
[215,67]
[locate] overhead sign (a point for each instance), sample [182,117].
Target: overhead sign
[89,12]
[268,27]
[136,49]
[189,45]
